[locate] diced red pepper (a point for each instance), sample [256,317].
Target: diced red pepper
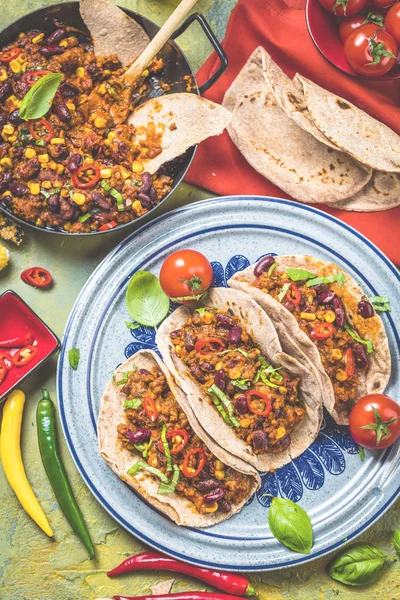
[150,408]
[19,341]
[7,359]
[24,356]
[189,471]
[349,361]
[37,127]
[37,277]
[206,345]
[9,55]
[322,331]
[3,370]
[170,436]
[109,225]
[253,398]
[91,174]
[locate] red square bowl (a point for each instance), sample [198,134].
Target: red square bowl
[17,319]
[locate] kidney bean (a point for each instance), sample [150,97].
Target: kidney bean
[289,306]
[68,90]
[93,70]
[321,287]
[197,373]
[220,380]
[224,505]
[207,485]
[56,36]
[99,199]
[326,297]
[68,211]
[3,119]
[5,180]
[366,309]
[62,111]
[74,162]
[28,169]
[360,355]
[14,117]
[241,405]
[139,436]
[18,189]
[189,341]
[21,87]
[5,91]
[153,194]
[111,65]
[224,319]
[147,182]
[54,203]
[51,50]
[58,151]
[235,335]
[144,372]
[145,200]
[215,495]
[339,311]
[175,334]
[206,366]
[282,445]
[263,265]
[259,440]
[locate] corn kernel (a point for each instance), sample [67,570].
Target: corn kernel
[330,316]
[34,188]
[211,508]
[15,66]
[88,160]
[30,153]
[105,173]
[52,165]
[43,158]
[21,58]
[12,138]
[281,431]
[341,375]
[282,389]
[7,193]
[307,316]
[106,72]
[56,141]
[137,208]
[64,193]
[145,73]
[21,35]
[137,167]
[8,129]
[47,185]
[6,162]
[100,122]
[3,75]
[124,172]
[63,44]
[207,318]
[219,474]
[13,99]
[336,354]
[71,106]
[80,72]
[24,66]
[79,198]
[102,89]
[60,169]
[38,38]
[57,183]
[219,465]
[111,136]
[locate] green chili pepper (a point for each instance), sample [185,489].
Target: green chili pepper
[47,436]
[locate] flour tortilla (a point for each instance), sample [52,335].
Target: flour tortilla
[381,193]
[353,130]
[178,508]
[177,122]
[280,150]
[260,327]
[112,31]
[372,380]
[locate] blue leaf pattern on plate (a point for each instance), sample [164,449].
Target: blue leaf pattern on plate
[289,483]
[218,275]
[236,263]
[146,335]
[269,485]
[134,347]
[310,470]
[330,454]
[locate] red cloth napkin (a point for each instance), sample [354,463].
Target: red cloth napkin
[279,26]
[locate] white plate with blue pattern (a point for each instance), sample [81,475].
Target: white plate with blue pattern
[342,495]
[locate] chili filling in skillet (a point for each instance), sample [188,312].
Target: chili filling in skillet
[76,168]
[156,426]
[259,402]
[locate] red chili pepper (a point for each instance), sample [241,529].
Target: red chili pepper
[24,356]
[109,225]
[208,344]
[43,126]
[250,394]
[230,583]
[19,341]
[92,179]
[293,294]
[29,76]
[7,359]
[37,277]
[170,435]
[9,55]
[200,466]
[322,331]
[3,370]
[150,408]
[182,596]
[349,361]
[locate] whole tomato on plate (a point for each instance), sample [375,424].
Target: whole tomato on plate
[370,51]
[392,22]
[348,25]
[343,8]
[383,3]
[185,275]
[375,421]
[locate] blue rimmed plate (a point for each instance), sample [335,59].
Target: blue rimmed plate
[342,495]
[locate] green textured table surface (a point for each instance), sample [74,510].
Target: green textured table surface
[32,567]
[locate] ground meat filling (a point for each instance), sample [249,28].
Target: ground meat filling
[310,312]
[42,174]
[216,486]
[259,402]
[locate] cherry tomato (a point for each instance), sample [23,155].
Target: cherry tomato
[375,421]
[370,51]
[343,8]
[392,22]
[347,26]
[383,3]
[185,275]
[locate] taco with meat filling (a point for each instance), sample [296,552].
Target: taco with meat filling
[257,402]
[324,312]
[151,439]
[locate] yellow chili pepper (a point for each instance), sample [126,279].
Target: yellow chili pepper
[10,452]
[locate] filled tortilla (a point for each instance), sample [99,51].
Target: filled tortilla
[256,401]
[316,305]
[150,438]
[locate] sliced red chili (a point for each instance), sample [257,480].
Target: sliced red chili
[170,436]
[7,359]
[322,331]
[254,399]
[349,361]
[293,294]
[37,277]
[9,55]
[109,225]
[90,173]
[206,345]
[3,370]
[18,341]
[24,356]
[189,471]
[150,408]
[41,129]
[32,76]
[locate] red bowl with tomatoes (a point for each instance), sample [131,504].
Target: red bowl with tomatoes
[345,40]
[25,342]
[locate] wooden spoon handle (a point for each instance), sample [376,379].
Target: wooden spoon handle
[171,24]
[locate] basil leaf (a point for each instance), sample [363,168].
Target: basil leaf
[284,291]
[339,278]
[37,101]
[214,390]
[143,465]
[291,525]
[74,356]
[299,274]
[134,403]
[132,325]
[360,564]
[166,447]
[169,488]
[146,302]
[367,343]
[396,540]
[381,303]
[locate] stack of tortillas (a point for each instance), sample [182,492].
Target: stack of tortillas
[314,145]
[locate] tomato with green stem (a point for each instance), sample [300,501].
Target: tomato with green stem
[371,51]
[392,22]
[343,8]
[348,25]
[375,421]
[186,275]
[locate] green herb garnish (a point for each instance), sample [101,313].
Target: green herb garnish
[352,333]
[362,453]
[84,218]
[74,356]
[339,278]
[166,447]
[115,194]
[291,525]
[359,564]
[134,403]
[143,465]
[132,325]
[144,448]
[169,488]
[272,269]
[242,384]
[284,291]
[146,302]
[37,101]
[201,311]
[299,274]
[218,397]
[381,303]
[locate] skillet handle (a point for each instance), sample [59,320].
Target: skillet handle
[223,59]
